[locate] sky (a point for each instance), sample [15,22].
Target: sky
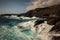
[22,6]
[13,6]
[42,4]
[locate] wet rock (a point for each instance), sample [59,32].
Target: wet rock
[52,21]
[38,22]
[56,38]
[56,28]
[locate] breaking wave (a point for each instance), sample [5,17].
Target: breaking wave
[22,29]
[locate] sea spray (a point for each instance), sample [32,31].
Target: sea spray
[24,30]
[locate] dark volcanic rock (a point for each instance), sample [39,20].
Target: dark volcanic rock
[38,22]
[56,28]
[44,12]
[56,38]
[53,21]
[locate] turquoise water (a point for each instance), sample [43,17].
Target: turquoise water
[27,32]
[8,30]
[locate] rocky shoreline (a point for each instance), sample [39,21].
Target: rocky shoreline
[52,15]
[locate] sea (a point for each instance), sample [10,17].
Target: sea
[17,28]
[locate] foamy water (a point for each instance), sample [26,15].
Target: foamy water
[25,30]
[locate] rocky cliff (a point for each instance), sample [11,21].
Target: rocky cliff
[52,15]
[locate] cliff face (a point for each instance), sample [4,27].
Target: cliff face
[44,12]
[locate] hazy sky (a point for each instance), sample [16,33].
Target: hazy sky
[42,3]
[13,6]
[21,6]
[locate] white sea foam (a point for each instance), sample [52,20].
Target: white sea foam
[40,33]
[12,34]
[21,17]
[14,17]
[43,31]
